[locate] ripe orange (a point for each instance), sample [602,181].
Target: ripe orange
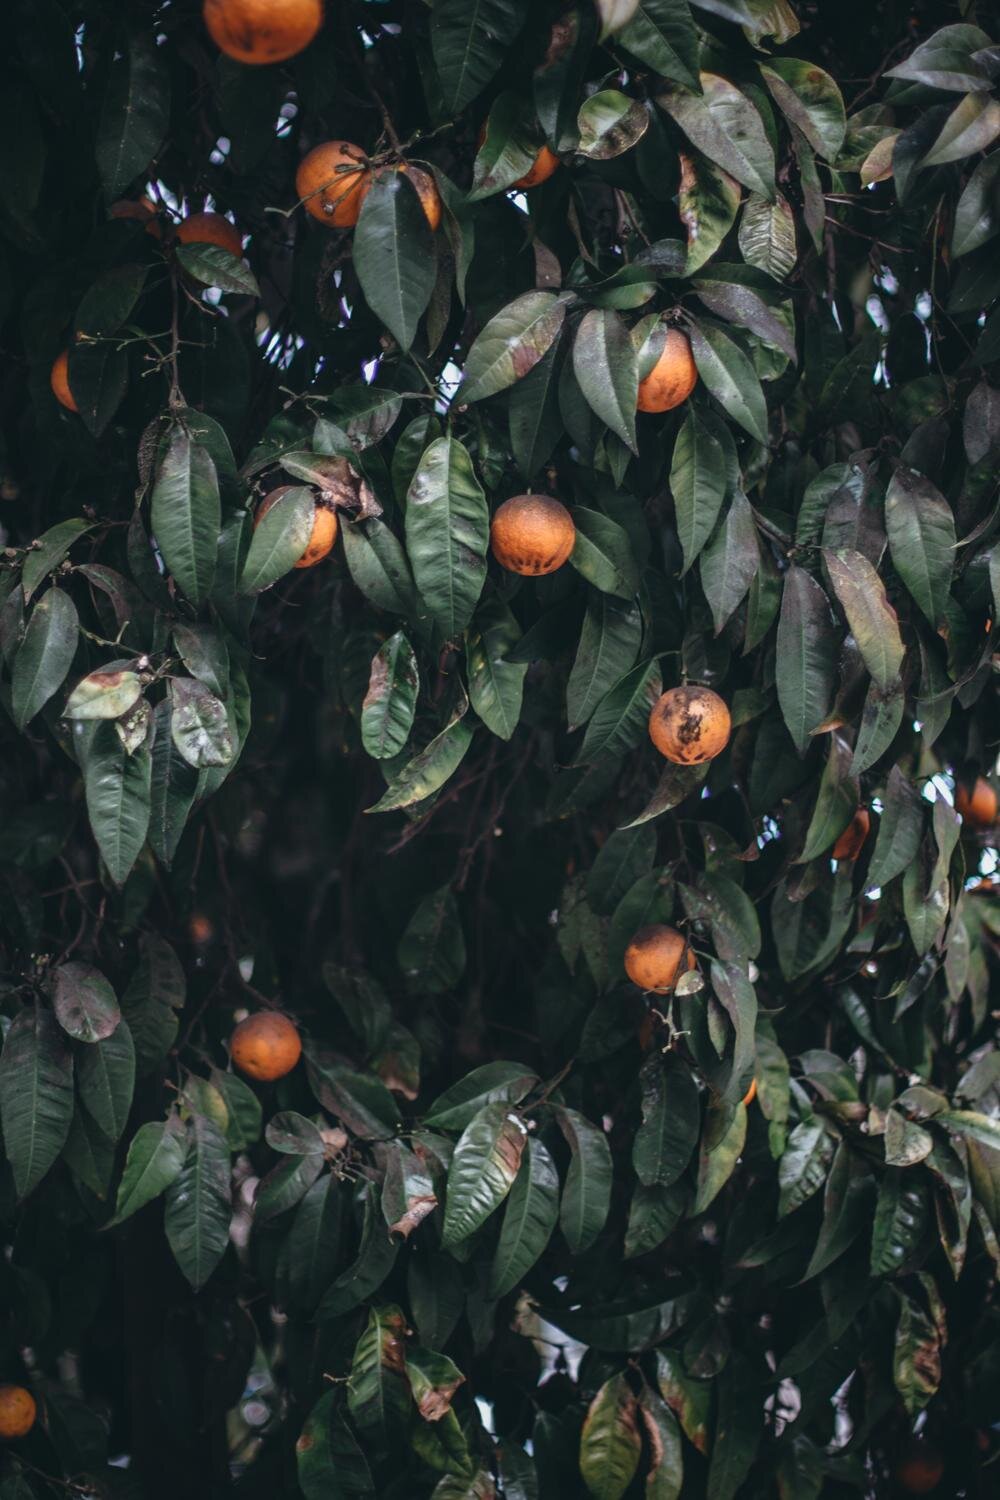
[689,725]
[978,807]
[920,1469]
[751,1092]
[201,929]
[211,229]
[59,381]
[324,532]
[262,31]
[654,957]
[851,841]
[545,164]
[672,378]
[266,1046]
[532,534]
[17,1411]
[332,180]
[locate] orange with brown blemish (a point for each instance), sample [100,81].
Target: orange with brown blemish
[532,534]
[690,725]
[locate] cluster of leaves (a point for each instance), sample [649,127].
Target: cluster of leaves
[511,1228]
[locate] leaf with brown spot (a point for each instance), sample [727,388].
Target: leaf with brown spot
[434,1379]
[483,1168]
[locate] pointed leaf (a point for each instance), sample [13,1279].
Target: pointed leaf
[186,516]
[921,529]
[198,1208]
[394,253]
[586,1197]
[512,343]
[44,656]
[36,1095]
[806,648]
[84,1002]
[529,1219]
[725,126]
[482,1171]
[873,621]
[604,362]
[447,534]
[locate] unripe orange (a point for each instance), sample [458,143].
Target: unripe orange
[211,229]
[262,31]
[978,807]
[655,957]
[59,380]
[851,841]
[17,1411]
[689,725]
[672,378]
[324,532]
[532,534]
[265,1046]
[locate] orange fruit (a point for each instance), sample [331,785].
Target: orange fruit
[59,381]
[689,725]
[751,1092]
[143,209]
[262,31]
[430,198]
[978,807]
[545,164]
[672,378]
[851,841]
[211,229]
[17,1411]
[332,180]
[921,1468]
[324,532]
[532,534]
[201,929]
[655,956]
[266,1046]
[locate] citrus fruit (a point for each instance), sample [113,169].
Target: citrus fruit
[265,1046]
[920,1469]
[532,534]
[978,805]
[655,956]
[689,725]
[751,1092]
[851,841]
[672,378]
[211,229]
[201,929]
[262,31]
[59,380]
[541,170]
[142,209]
[430,199]
[17,1411]
[332,180]
[324,532]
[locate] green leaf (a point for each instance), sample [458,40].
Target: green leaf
[105,1076]
[810,100]
[529,1219]
[730,377]
[330,1464]
[103,695]
[377,563]
[873,621]
[605,365]
[492,1083]
[447,535]
[609,124]
[609,643]
[44,656]
[738,1430]
[725,126]
[431,950]
[496,686]
[717,1159]
[707,202]
[214,266]
[314,1241]
[969,1122]
[806,655]
[730,561]
[154,993]
[625,856]
[375,1258]
[900,830]
[972,126]
[48,552]
[689,1399]
[671,1117]
[767,235]
[921,531]
[507,150]
[198,1208]
[846,1210]
[803,1167]
[946,60]
[622,716]
[36,1095]
[610,1443]
[173,785]
[84,1002]
[741,295]
[666,1474]
[430,768]
[603,554]
[662,34]
[916,1361]
[378,1393]
[586,1198]
[155,1158]
[186,516]
[470,41]
[512,343]
[391,700]
[836,803]
[394,254]
[697,483]
[483,1168]
[534,421]
[901,1216]
[199,725]
[977,213]
[117,787]
[279,540]
[135,112]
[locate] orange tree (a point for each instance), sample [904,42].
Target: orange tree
[459,1209]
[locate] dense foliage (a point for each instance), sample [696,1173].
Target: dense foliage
[511,1227]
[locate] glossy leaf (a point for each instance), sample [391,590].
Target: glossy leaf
[726,127]
[447,533]
[394,254]
[390,702]
[697,483]
[604,362]
[921,530]
[586,1195]
[44,656]
[512,343]
[529,1219]
[155,1158]
[36,1095]
[482,1171]
[610,1442]
[186,516]
[806,648]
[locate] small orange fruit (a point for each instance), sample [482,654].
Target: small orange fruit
[851,841]
[672,378]
[211,229]
[332,180]
[324,532]
[266,1046]
[751,1092]
[59,380]
[17,1411]
[532,534]
[978,807]
[544,165]
[262,31]
[689,725]
[143,209]
[655,956]
[201,929]
[920,1469]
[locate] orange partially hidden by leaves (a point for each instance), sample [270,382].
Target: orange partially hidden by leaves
[59,380]
[430,199]
[655,957]
[332,180]
[977,806]
[672,378]
[262,31]
[689,725]
[17,1411]
[324,532]
[751,1092]
[532,534]
[851,841]
[211,229]
[266,1046]
[921,1468]
[544,165]
[142,209]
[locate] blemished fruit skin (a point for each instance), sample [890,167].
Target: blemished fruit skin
[324,532]
[333,196]
[211,229]
[977,807]
[690,725]
[265,1046]
[532,534]
[672,378]
[59,380]
[851,841]
[655,957]
[17,1411]
[545,163]
[262,31]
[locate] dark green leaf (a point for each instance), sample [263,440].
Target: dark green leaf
[610,1443]
[134,112]
[118,800]
[604,362]
[279,540]
[186,515]
[512,343]
[726,127]
[586,1197]
[671,1117]
[731,378]
[44,656]
[469,43]
[806,648]
[921,531]
[36,1095]
[394,253]
[609,644]
[529,1219]
[697,483]
[447,534]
